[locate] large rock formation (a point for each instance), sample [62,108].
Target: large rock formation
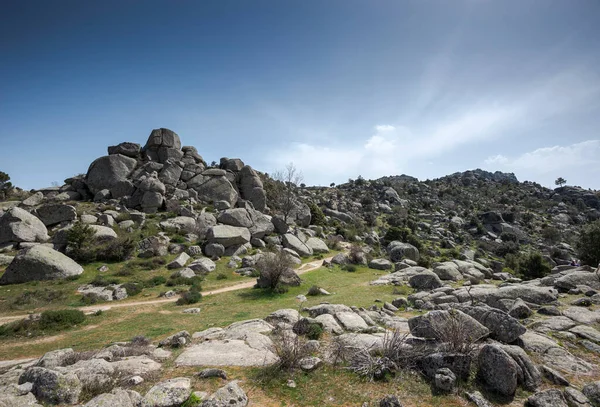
[18,225]
[40,263]
[108,172]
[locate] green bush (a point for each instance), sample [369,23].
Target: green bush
[533,266]
[508,270]
[349,268]
[132,288]
[588,244]
[192,296]
[317,217]
[102,281]
[176,280]
[424,261]
[154,281]
[37,297]
[280,289]
[83,247]
[314,332]
[90,299]
[61,319]
[509,237]
[222,276]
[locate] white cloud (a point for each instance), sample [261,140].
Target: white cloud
[579,163]
[384,127]
[449,129]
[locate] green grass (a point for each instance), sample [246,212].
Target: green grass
[161,320]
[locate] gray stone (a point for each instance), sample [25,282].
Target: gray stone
[227,352]
[497,370]
[381,264]
[317,245]
[554,376]
[40,263]
[351,321]
[126,148]
[169,393]
[203,265]
[179,262]
[399,251]
[592,392]
[520,310]
[179,224]
[55,358]
[528,374]
[575,398]
[116,398]
[207,373]
[292,242]
[52,387]
[502,326]
[53,214]
[33,200]
[477,398]
[228,235]
[426,280]
[18,225]
[445,380]
[236,217]
[251,188]
[459,364]
[434,324]
[547,398]
[230,395]
[213,188]
[106,172]
[329,324]
[214,250]
[390,401]
[310,363]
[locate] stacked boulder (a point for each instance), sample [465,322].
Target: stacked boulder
[148,177]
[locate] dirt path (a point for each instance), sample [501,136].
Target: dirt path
[305,268]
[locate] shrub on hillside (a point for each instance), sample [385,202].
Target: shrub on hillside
[132,288]
[192,296]
[37,297]
[83,247]
[317,217]
[154,281]
[273,266]
[588,245]
[61,319]
[533,266]
[49,321]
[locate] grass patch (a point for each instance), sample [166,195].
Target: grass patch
[49,322]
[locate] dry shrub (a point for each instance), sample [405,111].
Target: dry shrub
[394,355]
[356,254]
[454,337]
[290,349]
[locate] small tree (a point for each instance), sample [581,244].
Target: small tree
[289,180]
[533,266]
[5,185]
[588,244]
[273,267]
[560,181]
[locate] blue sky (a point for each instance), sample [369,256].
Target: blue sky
[339,87]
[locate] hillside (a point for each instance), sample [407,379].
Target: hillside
[156,279]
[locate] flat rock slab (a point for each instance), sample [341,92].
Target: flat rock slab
[232,352]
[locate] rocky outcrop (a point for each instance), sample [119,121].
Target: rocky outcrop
[40,263]
[108,171]
[18,225]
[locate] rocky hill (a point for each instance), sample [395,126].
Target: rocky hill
[449,291]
